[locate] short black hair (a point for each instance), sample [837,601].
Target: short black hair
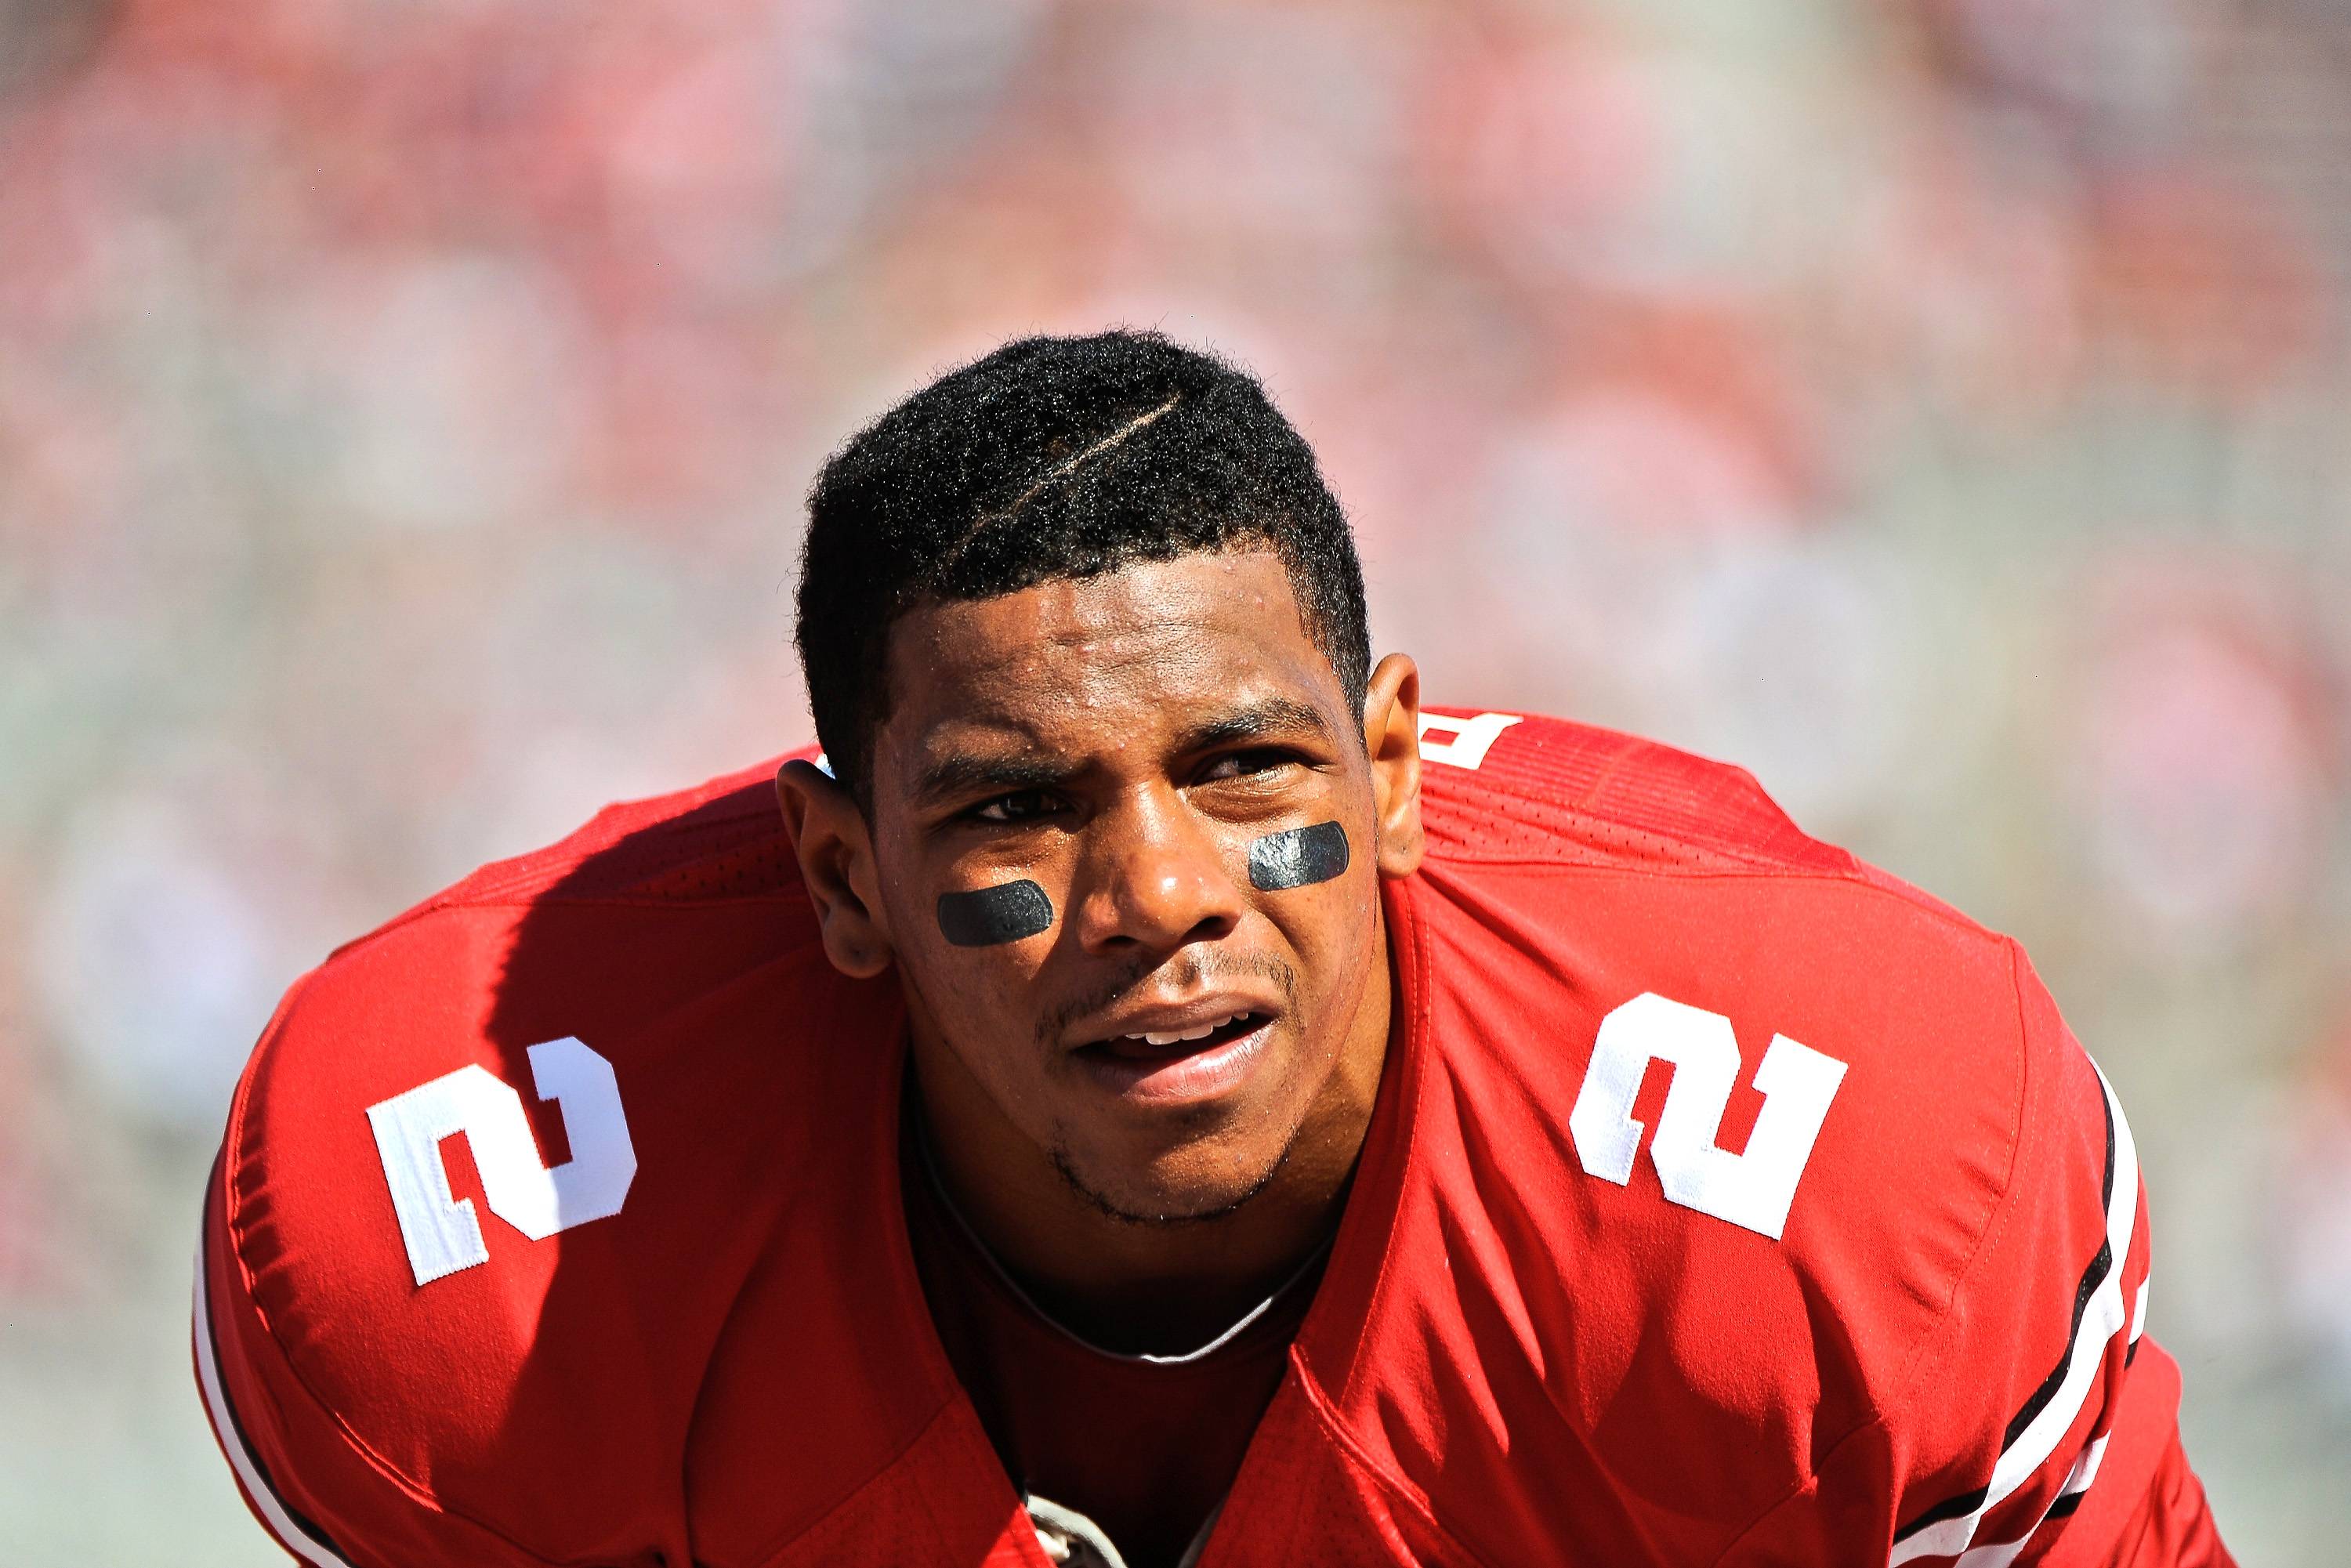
[1057,458]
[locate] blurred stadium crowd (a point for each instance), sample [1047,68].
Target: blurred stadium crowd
[1939,406]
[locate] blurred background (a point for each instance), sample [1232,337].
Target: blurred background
[1940,407]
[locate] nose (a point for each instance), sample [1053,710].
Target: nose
[1157,880]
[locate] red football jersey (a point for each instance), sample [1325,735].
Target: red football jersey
[1726,1202]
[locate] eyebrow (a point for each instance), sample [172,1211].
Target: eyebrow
[1266,717]
[965,773]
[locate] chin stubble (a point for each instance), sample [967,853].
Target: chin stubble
[1103,1203]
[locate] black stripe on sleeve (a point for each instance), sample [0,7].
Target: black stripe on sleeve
[300,1521]
[2093,1277]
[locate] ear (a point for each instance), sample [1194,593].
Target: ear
[1392,740]
[836,855]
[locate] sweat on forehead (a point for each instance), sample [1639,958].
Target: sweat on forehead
[1169,621]
[1007,695]
[1056,458]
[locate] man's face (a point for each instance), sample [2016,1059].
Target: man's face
[1122,742]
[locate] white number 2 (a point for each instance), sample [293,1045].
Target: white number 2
[440,1230]
[1752,1189]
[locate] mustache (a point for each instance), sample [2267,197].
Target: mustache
[1185,971]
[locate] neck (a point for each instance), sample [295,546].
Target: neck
[1136,1287]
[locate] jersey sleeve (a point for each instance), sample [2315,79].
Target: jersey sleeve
[2040,1421]
[316,1487]
[2034,1425]
[2170,1524]
[542,1227]
[399,1375]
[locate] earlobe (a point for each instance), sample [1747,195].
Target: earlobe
[836,857]
[1392,739]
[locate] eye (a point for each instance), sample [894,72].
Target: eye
[1247,765]
[1020,806]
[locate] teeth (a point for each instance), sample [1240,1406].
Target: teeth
[1174,1037]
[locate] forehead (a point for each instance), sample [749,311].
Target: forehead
[1130,651]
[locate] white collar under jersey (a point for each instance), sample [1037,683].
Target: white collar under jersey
[1238,1326]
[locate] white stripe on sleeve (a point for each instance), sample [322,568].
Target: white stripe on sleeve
[290,1534]
[2101,1319]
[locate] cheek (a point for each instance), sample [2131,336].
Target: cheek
[1318,894]
[1329,928]
[982,992]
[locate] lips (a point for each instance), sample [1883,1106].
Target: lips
[1179,1056]
[1166,1024]
[1186,1074]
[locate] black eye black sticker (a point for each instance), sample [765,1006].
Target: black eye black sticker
[1297,856]
[1006,913]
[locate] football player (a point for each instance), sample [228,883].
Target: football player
[1150,1093]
